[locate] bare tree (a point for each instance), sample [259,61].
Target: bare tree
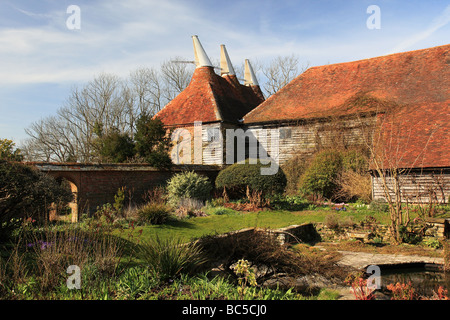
[389,144]
[70,134]
[105,104]
[109,103]
[280,71]
[176,76]
[143,92]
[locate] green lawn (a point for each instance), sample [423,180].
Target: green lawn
[192,228]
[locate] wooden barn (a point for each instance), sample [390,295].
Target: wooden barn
[396,105]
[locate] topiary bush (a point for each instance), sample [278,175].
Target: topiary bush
[188,185]
[238,176]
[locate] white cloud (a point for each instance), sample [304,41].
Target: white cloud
[113,35]
[440,21]
[32,14]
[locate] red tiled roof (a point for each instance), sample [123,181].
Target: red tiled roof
[210,97]
[414,87]
[415,136]
[416,77]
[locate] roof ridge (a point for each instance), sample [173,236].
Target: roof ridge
[321,88]
[379,57]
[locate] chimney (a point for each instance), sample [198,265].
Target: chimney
[249,75]
[201,58]
[226,68]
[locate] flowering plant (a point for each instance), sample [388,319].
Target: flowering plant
[359,287]
[402,291]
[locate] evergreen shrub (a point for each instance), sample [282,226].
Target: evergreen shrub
[188,185]
[238,176]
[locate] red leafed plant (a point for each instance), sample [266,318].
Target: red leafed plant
[402,291]
[440,294]
[359,287]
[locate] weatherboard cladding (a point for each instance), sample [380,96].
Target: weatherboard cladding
[417,186]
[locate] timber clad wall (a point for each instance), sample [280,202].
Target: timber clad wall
[417,187]
[303,138]
[308,137]
[212,144]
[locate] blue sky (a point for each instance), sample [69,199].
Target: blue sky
[41,59]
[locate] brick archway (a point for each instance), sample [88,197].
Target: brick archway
[74,204]
[96,184]
[73,183]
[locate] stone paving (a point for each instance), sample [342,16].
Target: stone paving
[361,260]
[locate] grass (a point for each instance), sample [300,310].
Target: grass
[107,278]
[194,228]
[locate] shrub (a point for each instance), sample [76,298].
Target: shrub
[188,185]
[360,289]
[190,208]
[152,142]
[320,177]
[332,221]
[410,236]
[106,214]
[293,169]
[354,186]
[219,211]
[153,213]
[237,177]
[433,243]
[355,160]
[8,151]
[115,147]
[25,191]
[169,258]
[354,180]
[402,291]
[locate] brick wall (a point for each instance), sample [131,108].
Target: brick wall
[95,184]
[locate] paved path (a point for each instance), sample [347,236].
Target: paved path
[361,260]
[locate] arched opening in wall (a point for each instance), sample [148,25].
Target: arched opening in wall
[70,211]
[74,204]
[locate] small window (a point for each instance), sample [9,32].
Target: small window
[285,133]
[213,134]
